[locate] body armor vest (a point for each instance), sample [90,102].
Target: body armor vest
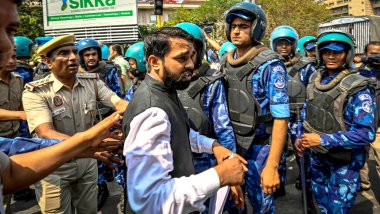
[325,109]
[296,89]
[153,93]
[244,110]
[192,100]
[324,112]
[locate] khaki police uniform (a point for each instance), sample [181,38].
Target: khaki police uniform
[10,99]
[70,111]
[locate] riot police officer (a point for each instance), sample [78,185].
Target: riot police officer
[90,54]
[306,47]
[339,117]
[283,40]
[258,102]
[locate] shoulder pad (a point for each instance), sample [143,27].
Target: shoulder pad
[30,86]
[353,81]
[88,75]
[266,55]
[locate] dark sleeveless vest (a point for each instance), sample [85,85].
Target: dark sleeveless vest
[153,93]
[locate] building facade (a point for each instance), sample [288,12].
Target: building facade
[353,7]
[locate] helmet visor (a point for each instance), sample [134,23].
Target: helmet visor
[241,14]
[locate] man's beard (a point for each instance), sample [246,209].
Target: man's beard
[176,83]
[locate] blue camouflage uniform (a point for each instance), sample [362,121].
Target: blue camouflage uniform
[216,109]
[269,87]
[111,79]
[335,185]
[21,145]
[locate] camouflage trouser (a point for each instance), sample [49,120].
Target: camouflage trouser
[335,185]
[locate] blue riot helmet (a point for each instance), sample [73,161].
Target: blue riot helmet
[105,52]
[284,32]
[42,40]
[306,43]
[249,12]
[136,51]
[88,44]
[200,39]
[23,46]
[226,48]
[336,40]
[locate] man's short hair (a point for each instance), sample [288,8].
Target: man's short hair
[118,49]
[157,43]
[376,43]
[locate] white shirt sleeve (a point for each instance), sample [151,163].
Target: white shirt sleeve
[200,143]
[149,160]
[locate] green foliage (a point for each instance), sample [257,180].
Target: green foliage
[31,20]
[145,30]
[303,15]
[210,11]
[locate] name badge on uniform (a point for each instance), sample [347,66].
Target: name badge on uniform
[58,111]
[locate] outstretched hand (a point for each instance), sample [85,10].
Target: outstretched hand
[100,141]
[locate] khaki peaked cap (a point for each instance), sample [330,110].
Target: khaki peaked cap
[55,43]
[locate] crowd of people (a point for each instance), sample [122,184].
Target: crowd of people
[179,116]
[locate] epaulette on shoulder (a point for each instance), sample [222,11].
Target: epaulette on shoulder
[30,86]
[88,75]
